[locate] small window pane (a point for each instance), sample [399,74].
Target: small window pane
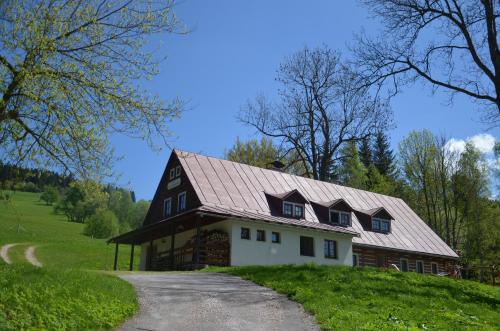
[181,202]
[172,173]
[375,224]
[345,219]
[245,233]
[167,207]
[177,171]
[404,265]
[420,267]
[306,246]
[434,268]
[334,217]
[330,249]
[299,211]
[385,226]
[275,237]
[261,235]
[287,209]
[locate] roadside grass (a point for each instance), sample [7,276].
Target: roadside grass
[65,293]
[346,298]
[62,299]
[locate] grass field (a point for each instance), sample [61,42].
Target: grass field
[65,293]
[346,298]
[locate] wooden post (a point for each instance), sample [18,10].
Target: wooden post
[150,257]
[132,257]
[115,266]
[198,234]
[172,245]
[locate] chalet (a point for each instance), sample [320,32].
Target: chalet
[208,211]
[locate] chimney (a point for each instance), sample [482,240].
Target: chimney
[276,165]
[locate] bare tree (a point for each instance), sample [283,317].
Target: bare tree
[451,44]
[320,109]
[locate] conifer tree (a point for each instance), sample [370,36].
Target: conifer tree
[383,156]
[365,152]
[352,172]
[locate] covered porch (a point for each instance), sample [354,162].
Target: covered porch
[184,242]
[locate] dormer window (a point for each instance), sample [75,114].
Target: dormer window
[340,217]
[292,209]
[380,224]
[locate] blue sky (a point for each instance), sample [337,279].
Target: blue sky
[232,55]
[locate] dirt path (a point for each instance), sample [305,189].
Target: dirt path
[4,252]
[29,254]
[191,301]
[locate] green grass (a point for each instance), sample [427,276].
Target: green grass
[345,298]
[65,293]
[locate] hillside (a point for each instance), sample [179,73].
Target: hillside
[64,293]
[346,298]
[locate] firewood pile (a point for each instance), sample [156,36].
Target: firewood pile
[214,247]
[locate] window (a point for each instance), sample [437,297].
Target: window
[434,268]
[420,267]
[403,265]
[385,226]
[293,209]
[340,217]
[167,207]
[275,237]
[330,249]
[382,225]
[306,246]
[375,224]
[181,201]
[261,235]
[177,171]
[381,261]
[355,260]
[172,173]
[245,233]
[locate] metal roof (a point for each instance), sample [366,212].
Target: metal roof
[239,190]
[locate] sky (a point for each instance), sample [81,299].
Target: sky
[231,55]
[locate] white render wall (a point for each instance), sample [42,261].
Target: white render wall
[253,252]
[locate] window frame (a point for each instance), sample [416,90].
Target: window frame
[327,251]
[278,236]
[416,267]
[357,260]
[263,232]
[179,209]
[380,222]
[339,213]
[172,173]
[249,233]
[401,264]
[432,268]
[165,215]
[294,205]
[303,251]
[178,171]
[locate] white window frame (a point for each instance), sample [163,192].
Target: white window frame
[437,268]
[172,173]
[178,171]
[164,211]
[357,260]
[340,213]
[401,264]
[179,201]
[294,204]
[416,267]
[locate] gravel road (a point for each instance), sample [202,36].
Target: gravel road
[210,301]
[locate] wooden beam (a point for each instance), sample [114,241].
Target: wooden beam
[150,255]
[115,265]
[132,257]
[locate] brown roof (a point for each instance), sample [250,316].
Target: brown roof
[239,190]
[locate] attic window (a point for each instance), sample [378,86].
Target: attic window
[340,217]
[381,225]
[292,209]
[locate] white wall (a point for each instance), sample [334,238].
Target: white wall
[253,252]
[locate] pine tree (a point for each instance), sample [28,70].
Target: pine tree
[383,156]
[352,173]
[365,152]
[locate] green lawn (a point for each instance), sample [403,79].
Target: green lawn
[64,294]
[346,298]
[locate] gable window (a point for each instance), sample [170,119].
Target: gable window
[434,268]
[245,233]
[261,235]
[306,246]
[340,217]
[177,171]
[167,207]
[355,260]
[403,265]
[172,173]
[330,249]
[275,237]
[292,209]
[181,201]
[420,267]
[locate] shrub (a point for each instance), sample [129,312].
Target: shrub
[102,224]
[50,195]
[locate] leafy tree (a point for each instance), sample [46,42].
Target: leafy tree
[67,79]
[253,152]
[120,203]
[138,213]
[451,45]
[352,171]
[102,224]
[383,156]
[50,195]
[81,200]
[379,183]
